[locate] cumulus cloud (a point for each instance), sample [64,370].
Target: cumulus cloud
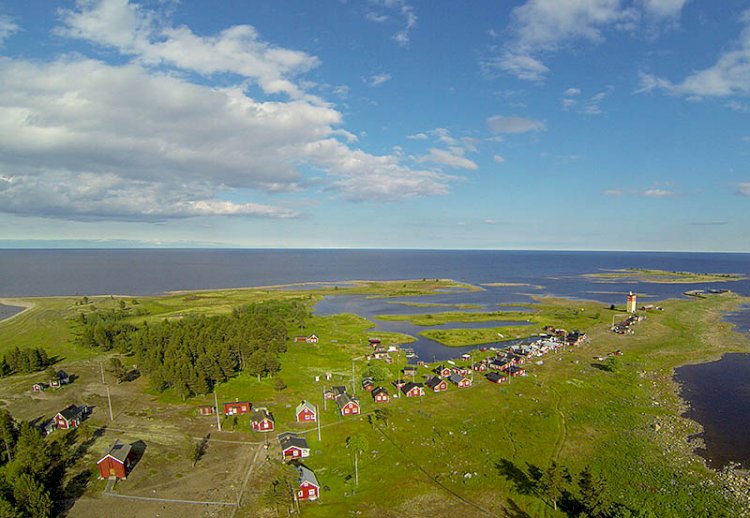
[729,76]
[513,124]
[657,193]
[498,159]
[571,92]
[743,189]
[136,31]
[145,140]
[540,28]
[652,192]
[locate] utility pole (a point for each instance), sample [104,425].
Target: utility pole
[353,385]
[109,401]
[317,415]
[216,409]
[325,405]
[101,368]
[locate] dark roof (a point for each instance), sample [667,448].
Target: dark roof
[344,399]
[494,376]
[287,440]
[338,389]
[378,390]
[61,374]
[259,414]
[72,412]
[406,388]
[433,382]
[455,378]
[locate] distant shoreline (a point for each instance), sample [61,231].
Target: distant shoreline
[18,304]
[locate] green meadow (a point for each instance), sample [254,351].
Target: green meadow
[476,451]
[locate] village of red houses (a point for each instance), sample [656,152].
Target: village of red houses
[496,365]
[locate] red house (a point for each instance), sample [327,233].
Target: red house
[347,404]
[261,420]
[70,417]
[306,413]
[117,462]
[413,390]
[293,446]
[495,377]
[459,380]
[437,384]
[242,407]
[309,489]
[380,395]
[479,366]
[442,371]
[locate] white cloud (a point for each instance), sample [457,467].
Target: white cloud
[729,76]
[593,105]
[545,26]
[7,28]
[743,188]
[401,8]
[571,92]
[513,124]
[377,18]
[418,136]
[377,79]
[133,30]
[657,193]
[453,157]
[498,159]
[663,8]
[85,139]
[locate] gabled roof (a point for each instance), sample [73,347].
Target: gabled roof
[61,374]
[305,405]
[259,414]
[494,376]
[306,475]
[287,440]
[71,412]
[344,399]
[409,386]
[119,452]
[379,390]
[338,389]
[433,382]
[456,378]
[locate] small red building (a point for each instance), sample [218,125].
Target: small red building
[442,371]
[437,384]
[70,417]
[495,377]
[413,390]
[479,366]
[306,413]
[347,405]
[309,488]
[117,462]
[293,446]
[460,381]
[261,420]
[241,407]
[380,395]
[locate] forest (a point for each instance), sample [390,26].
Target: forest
[190,355]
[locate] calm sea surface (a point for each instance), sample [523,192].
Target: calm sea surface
[26,273]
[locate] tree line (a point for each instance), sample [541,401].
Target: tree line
[24,361]
[190,355]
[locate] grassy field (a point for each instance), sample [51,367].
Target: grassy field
[469,451]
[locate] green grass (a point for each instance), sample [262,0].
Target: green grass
[662,276]
[566,410]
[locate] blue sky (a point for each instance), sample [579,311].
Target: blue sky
[538,124]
